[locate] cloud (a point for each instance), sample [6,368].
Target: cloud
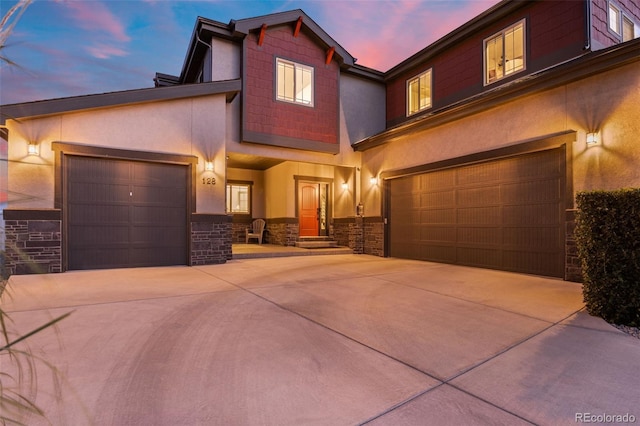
[104,51]
[94,16]
[382,34]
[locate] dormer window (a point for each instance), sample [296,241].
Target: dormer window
[419,93]
[504,53]
[294,82]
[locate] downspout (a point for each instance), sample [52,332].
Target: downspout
[587,44]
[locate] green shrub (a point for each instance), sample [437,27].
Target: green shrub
[608,239]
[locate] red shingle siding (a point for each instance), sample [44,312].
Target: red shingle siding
[555,31]
[600,32]
[263,114]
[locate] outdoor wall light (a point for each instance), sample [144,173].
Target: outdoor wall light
[33,149]
[373,180]
[208,166]
[593,139]
[345,186]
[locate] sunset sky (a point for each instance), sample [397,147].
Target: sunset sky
[70,48]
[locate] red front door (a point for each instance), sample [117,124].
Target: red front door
[308,197]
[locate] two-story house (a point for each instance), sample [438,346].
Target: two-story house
[469,152]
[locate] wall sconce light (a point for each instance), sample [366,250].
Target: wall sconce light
[33,149]
[345,186]
[373,180]
[593,139]
[208,166]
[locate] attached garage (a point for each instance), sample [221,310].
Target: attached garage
[121,213]
[505,213]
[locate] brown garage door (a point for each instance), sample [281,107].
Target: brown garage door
[501,214]
[125,213]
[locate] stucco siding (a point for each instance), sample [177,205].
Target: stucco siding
[225,59]
[607,103]
[189,127]
[362,112]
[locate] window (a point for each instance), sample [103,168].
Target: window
[238,198]
[504,53]
[614,18]
[294,82]
[419,93]
[628,32]
[621,24]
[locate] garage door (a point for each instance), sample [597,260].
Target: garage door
[125,213]
[501,214]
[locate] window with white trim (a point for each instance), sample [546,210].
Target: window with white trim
[621,24]
[294,82]
[614,18]
[419,93]
[628,30]
[504,53]
[239,198]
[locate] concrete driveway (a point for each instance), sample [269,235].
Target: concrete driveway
[326,340]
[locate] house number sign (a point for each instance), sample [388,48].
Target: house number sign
[209,181]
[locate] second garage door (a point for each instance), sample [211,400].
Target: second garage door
[125,213]
[502,214]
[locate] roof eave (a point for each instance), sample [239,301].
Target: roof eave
[113,99]
[494,13]
[242,27]
[579,68]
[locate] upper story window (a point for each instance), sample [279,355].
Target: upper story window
[419,93]
[294,82]
[239,198]
[614,18]
[621,24]
[628,29]
[504,53]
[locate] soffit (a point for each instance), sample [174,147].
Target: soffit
[252,162]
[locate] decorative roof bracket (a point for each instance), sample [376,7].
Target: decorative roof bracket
[263,30]
[298,25]
[330,53]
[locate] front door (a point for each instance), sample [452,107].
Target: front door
[309,209]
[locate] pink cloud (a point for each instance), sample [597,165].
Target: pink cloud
[383,34]
[94,16]
[104,51]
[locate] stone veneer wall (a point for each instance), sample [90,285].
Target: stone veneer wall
[211,237]
[349,232]
[374,236]
[282,231]
[573,269]
[33,241]
[239,226]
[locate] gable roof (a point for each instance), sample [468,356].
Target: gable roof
[237,30]
[244,26]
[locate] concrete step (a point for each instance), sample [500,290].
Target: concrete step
[312,243]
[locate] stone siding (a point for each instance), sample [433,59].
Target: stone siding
[238,232]
[374,236]
[349,232]
[283,231]
[211,237]
[33,241]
